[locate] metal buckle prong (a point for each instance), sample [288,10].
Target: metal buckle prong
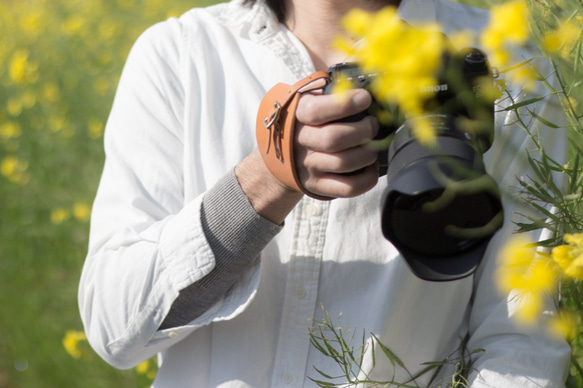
[271,119]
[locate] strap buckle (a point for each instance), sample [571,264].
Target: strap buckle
[272,121]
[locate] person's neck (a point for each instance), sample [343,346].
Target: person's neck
[317,22]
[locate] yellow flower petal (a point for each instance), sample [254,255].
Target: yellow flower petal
[71,342]
[81,211]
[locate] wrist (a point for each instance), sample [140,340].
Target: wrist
[270,198]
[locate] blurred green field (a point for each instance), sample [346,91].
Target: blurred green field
[59,65]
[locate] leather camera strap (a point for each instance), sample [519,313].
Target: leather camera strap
[275,128]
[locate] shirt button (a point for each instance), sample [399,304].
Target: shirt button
[312,210]
[301,293]
[287,378]
[172,334]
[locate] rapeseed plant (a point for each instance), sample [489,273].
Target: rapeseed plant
[569,257]
[534,275]
[59,65]
[403,76]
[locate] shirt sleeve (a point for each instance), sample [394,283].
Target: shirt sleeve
[146,242]
[514,355]
[236,235]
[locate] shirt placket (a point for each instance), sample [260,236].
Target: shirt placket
[301,292]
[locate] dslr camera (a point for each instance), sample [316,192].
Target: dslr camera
[440,208]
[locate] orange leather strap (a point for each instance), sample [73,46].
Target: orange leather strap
[275,128]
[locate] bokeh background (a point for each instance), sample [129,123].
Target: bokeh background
[60,61]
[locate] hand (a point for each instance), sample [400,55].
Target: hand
[330,157]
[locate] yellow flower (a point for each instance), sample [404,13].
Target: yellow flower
[530,307]
[147,368]
[95,128]
[570,257]
[81,211]
[50,92]
[71,342]
[529,273]
[31,23]
[107,30]
[564,36]
[462,39]
[14,169]
[9,130]
[564,325]
[424,131]
[404,76]
[541,276]
[74,25]
[60,215]
[143,367]
[508,26]
[56,122]
[21,70]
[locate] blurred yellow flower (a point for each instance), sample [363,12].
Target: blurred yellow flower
[463,39]
[31,23]
[408,78]
[508,26]
[14,169]
[107,30]
[424,130]
[341,86]
[570,257]
[528,272]
[59,215]
[73,25]
[81,211]
[530,307]
[9,130]
[147,368]
[21,70]
[565,36]
[564,325]
[56,122]
[50,92]
[71,342]
[142,367]
[95,128]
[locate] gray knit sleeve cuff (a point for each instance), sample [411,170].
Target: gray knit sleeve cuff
[234,230]
[236,235]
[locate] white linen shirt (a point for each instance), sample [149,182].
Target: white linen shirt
[183,117]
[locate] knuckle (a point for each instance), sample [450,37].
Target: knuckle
[308,111]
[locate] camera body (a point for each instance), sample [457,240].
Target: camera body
[441,233]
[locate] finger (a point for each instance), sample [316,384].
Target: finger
[318,109]
[337,136]
[347,161]
[343,186]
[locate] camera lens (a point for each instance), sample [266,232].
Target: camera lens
[441,234]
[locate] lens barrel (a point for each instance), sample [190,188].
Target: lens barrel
[429,234]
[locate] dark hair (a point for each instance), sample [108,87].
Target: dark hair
[277,6]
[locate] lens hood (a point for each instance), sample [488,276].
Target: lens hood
[445,241]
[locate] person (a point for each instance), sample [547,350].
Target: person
[198,254]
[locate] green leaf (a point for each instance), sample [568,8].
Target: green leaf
[390,355]
[543,120]
[523,103]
